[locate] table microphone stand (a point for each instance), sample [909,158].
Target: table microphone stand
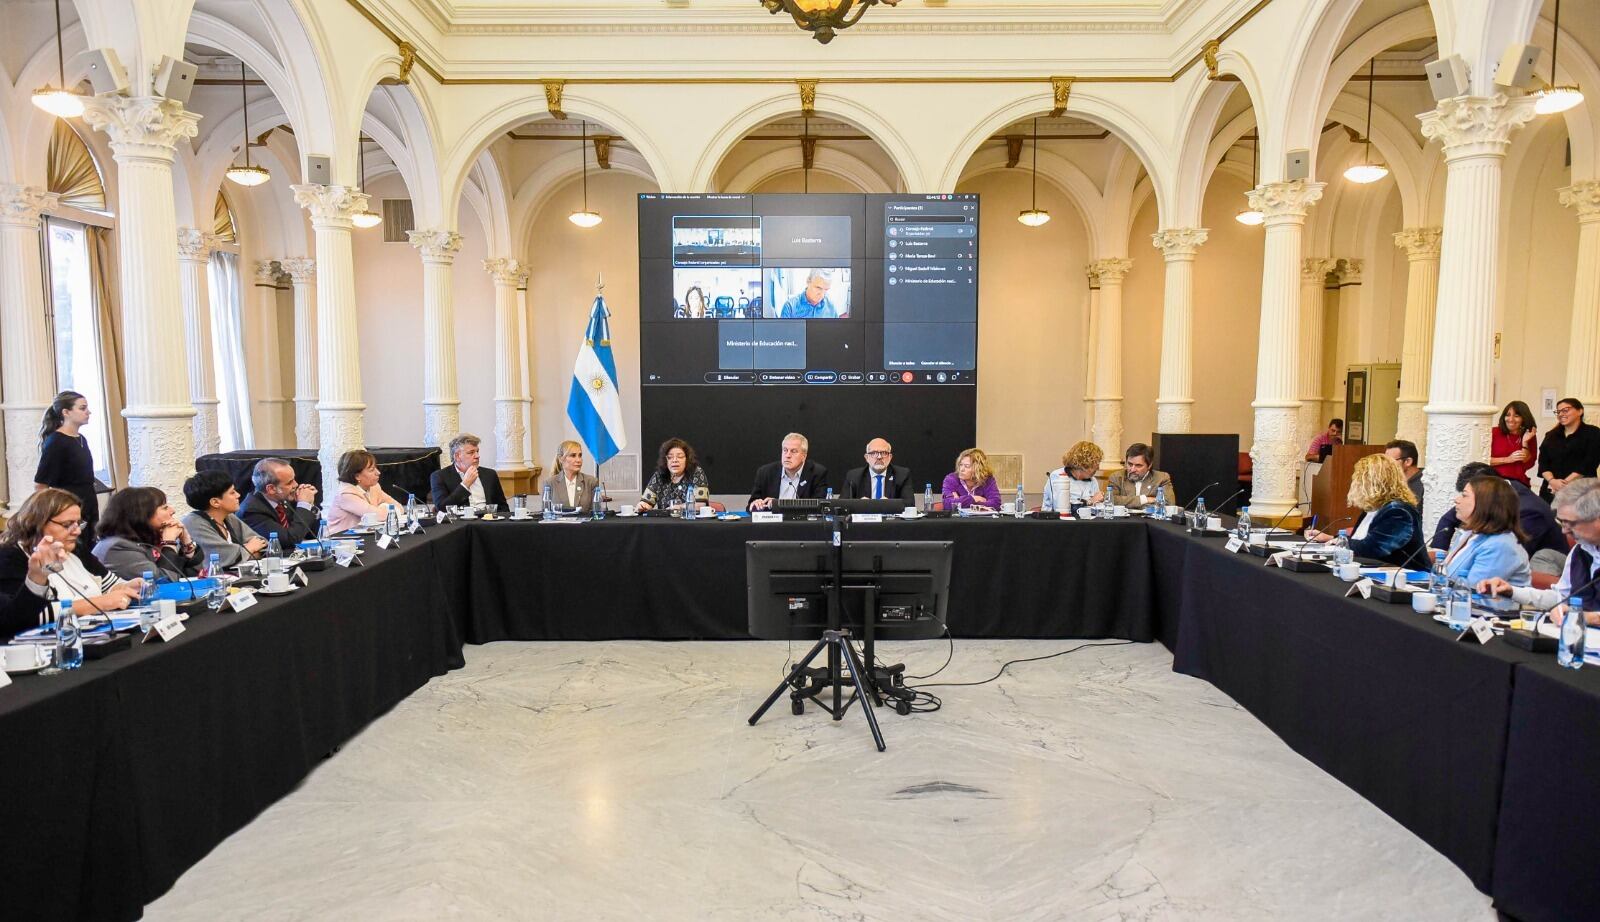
[836,639]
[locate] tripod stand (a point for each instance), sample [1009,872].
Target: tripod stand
[870,682]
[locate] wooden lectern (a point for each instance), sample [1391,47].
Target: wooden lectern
[1330,489]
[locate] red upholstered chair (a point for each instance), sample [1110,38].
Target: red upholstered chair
[1247,468]
[1545,580]
[720,508]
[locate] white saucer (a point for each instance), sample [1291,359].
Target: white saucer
[26,670]
[263,590]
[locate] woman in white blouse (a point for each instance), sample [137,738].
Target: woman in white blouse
[570,487]
[58,515]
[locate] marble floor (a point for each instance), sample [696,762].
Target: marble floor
[620,781]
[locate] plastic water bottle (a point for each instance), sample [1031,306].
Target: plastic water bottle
[147,592]
[597,503]
[1242,527]
[213,566]
[275,549]
[1341,547]
[549,506]
[1108,506]
[411,509]
[1020,507]
[1457,606]
[927,498]
[1161,502]
[391,522]
[69,639]
[1200,515]
[1436,578]
[688,500]
[1569,648]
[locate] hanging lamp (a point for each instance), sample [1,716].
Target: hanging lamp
[1366,171]
[1035,216]
[1552,99]
[248,174]
[1250,216]
[58,100]
[585,218]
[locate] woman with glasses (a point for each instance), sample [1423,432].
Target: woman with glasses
[141,534]
[58,515]
[1578,513]
[1570,451]
[1513,442]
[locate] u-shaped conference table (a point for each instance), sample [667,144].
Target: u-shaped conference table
[127,772]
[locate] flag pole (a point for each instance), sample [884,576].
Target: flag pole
[599,287]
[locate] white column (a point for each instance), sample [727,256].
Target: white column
[1476,133]
[525,325]
[25,371]
[338,349]
[1313,277]
[1175,392]
[508,409]
[194,267]
[441,404]
[1276,455]
[1416,350]
[144,133]
[1347,276]
[1583,346]
[1091,354]
[269,399]
[302,272]
[1108,362]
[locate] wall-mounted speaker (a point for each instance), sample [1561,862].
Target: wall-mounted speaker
[175,79]
[1447,77]
[1297,165]
[1516,66]
[106,73]
[319,170]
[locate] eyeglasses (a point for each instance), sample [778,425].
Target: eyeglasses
[1569,524]
[75,525]
[878,454]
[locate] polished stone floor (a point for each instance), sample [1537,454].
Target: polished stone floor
[620,781]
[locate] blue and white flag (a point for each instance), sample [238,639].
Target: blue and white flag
[594,406]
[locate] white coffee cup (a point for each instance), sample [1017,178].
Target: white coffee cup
[24,656]
[627,512]
[1008,508]
[1424,602]
[370,518]
[166,608]
[706,512]
[277,582]
[909,512]
[1349,572]
[1121,512]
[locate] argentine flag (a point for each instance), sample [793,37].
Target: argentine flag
[594,405]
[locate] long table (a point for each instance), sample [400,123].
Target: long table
[139,764]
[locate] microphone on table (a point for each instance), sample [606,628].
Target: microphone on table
[1200,494]
[1202,525]
[1301,554]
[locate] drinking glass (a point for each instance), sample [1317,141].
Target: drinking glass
[217,598]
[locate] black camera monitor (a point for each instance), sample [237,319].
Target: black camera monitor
[787,584]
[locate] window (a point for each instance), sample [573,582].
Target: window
[75,328]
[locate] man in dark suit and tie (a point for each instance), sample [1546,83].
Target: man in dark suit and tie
[791,477]
[880,479]
[464,483]
[279,504]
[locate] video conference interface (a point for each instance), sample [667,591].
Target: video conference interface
[808,290]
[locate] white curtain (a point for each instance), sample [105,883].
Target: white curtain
[227,325]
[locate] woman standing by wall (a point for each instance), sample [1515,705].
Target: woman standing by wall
[64,458]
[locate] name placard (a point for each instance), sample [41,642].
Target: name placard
[762,515]
[384,541]
[239,601]
[867,517]
[1234,545]
[170,627]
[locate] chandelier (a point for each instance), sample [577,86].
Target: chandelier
[823,17]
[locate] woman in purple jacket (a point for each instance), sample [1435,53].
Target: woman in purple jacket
[972,484]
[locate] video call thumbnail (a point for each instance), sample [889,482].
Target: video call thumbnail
[816,293]
[715,292]
[716,240]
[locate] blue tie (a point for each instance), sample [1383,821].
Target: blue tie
[877,491]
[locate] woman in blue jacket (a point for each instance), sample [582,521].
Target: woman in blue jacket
[1391,530]
[1488,543]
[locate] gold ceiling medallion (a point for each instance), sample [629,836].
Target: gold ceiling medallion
[822,18]
[1061,88]
[1210,55]
[552,97]
[808,97]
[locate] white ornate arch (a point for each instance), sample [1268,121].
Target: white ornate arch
[485,193]
[1199,152]
[827,160]
[543,183]
[1058,171]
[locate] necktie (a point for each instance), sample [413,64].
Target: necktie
[283,515]
[877,490]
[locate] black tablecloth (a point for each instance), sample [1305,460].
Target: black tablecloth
[671,579]
[400,470]
[1549,842]
[1378,696]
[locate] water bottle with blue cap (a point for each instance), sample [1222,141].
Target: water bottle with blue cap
[1570,645]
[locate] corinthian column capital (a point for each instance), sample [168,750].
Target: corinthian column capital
[1469,125]
[1179,242]
[436,246]
[301,269]
[1316,268]
[141,126]
[1285,201]
[1111,270]
[21,205]
[195,245]
[1349,271]
[330,206]
[1584,198]
[1420,242]
[267,273]
[505,271]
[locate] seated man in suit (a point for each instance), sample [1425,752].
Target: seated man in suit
[280,504]
[1135,485]
[791,477]
[880,479]
[464,482]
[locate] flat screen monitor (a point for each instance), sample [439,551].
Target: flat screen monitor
[787,584]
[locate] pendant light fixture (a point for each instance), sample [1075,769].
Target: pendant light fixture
[1552,99]
[1366,171]
[1035,216]
[585,218]
[58,100]
[248,174]
[1250,216]
[366,218]
[822,18]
